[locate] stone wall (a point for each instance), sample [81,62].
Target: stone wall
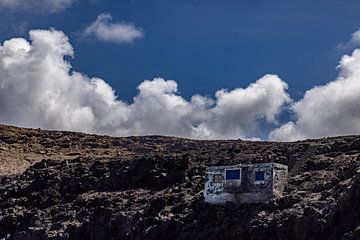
[280,173]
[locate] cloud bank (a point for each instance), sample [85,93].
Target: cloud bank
[43,6]
[329,110]
[118,32]
[39,88]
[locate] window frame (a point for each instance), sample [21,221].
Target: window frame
[233,179]
[262,175]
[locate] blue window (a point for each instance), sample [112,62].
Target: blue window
[232,174]
[259,176]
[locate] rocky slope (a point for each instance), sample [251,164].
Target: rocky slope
[62,185]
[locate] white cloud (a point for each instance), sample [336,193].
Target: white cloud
[352,43]
[43,6]
[329,110]
[118,32]
[37,89]
[236,112]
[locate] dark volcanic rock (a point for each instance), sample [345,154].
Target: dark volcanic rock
[159,195]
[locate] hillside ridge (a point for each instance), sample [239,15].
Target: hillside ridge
[64,185]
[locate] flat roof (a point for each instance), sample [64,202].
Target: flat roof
[214,168]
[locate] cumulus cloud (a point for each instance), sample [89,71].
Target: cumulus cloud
[352,43]
[39,89]
[233,114]
[44,6]
[329,110]
[118,32]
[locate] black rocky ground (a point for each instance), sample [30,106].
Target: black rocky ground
[158,193]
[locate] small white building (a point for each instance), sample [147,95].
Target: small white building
[245,183]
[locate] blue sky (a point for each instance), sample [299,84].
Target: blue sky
[209,44]
[203,45]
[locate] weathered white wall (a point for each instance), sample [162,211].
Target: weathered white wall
[217,190]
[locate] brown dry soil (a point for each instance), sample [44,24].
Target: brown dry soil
[64,185]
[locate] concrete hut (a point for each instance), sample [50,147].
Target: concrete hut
[245,183]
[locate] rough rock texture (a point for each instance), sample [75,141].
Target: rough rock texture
[97,187]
